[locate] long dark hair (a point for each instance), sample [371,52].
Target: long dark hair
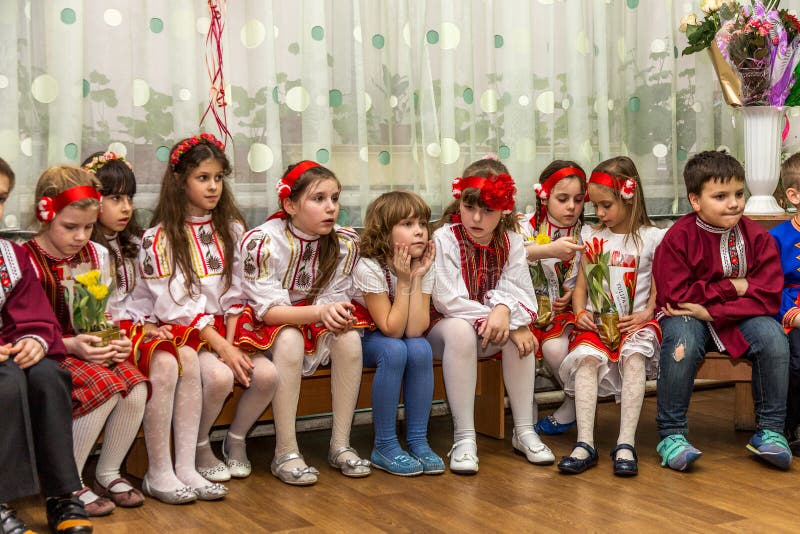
[171,211]
[116,178]
[329,243]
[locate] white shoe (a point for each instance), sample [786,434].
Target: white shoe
[529,445]
[218,473]
[466,461]
[236,468]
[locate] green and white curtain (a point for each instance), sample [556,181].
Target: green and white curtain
[387,93]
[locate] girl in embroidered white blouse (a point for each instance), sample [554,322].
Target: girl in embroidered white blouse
[296,273]
[188,263]
[484,294]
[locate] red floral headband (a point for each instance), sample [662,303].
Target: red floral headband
[543,190]
[625,187]
[97,162]
[497,191]
[48,207]
[188,144]
[285,184]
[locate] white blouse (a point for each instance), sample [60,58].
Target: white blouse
[171,302]
[128,301]
[280,265]
[513,289]
[369,277]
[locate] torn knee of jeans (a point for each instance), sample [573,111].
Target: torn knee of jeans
[680,352]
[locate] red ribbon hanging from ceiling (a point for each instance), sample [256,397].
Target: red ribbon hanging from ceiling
[217,104]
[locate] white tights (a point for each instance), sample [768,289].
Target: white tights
[633,385]
[287,355]
[454,340]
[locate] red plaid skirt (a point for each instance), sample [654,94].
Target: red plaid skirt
[554,329]
[93,384]
[254,336]
[586,337]
[143,351]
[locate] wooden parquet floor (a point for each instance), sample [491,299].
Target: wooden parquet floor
[727,491]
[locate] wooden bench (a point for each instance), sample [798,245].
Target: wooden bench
[315,399]
[718,366]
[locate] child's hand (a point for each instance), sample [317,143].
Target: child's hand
[585,321]
[740,284]
[122,347]
[5,351]
[564,248]
[495,329]
[337,316]
[81,346]
[795,324]
[28,352]
[524,340]
[562,303]
[239,362]
[401,261]
[151,332]
[629,323]
[422,265]
[689,308]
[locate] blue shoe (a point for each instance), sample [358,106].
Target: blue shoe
[549,426]
[432,464]
[677,453]
[572,465]
[402,465]
[771,447]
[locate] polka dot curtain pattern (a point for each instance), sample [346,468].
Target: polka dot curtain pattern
[390,94]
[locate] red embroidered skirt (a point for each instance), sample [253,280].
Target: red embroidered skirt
[554,329]
[592,339]
[143,351]
[254,336]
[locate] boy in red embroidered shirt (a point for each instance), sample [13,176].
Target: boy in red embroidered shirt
[719,281]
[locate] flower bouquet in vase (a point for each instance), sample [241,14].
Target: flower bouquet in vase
[87,295]
[759,44]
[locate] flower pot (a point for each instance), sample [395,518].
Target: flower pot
[607,325]
[762,152]
[106,335]
[545,313]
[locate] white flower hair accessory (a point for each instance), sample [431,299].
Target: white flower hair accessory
[628,189]
[540,191]
[97,162]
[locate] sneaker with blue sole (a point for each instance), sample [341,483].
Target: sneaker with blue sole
[771,447]
[403,464]
[677,453]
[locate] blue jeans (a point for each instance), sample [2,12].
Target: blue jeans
[406,363]
[769,353]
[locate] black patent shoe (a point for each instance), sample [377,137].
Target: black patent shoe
[10,523]
[573,466]
[622,466]
[66,515]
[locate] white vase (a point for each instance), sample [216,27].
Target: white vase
[762,154]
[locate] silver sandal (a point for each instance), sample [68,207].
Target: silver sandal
[350,468]
[211,492]
[299,476]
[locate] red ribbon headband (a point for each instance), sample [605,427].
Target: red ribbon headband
[497,191]
[543,190]
[285,184]
[625,187]
[48,207]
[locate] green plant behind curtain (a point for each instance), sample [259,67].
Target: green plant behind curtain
[389,94]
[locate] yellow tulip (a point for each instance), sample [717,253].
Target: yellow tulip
[542,239]
[98,291]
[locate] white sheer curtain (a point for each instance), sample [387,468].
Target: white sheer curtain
[392,93]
